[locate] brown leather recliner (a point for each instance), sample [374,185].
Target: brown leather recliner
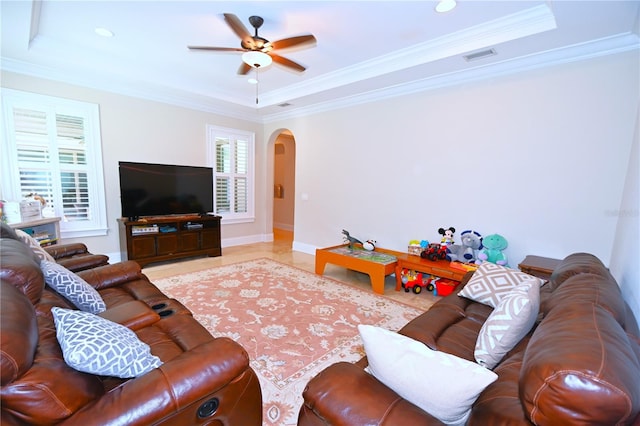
[203,380]
[579,365]
[73,256]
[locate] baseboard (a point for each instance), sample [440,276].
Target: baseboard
[247,239]
[304,248]
[114,257]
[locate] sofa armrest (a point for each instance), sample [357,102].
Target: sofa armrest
[58,251]
[112,275]
[134,315]
[344,393]
[83,262]
[175,391]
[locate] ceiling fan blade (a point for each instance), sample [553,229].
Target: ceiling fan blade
[298,41]
[218,49]
[244,69]
[238,27]
[287,62]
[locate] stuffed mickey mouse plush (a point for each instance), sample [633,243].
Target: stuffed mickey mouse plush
[447,235]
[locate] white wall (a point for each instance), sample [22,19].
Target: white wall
[539,157]
[139,130]
[625,258]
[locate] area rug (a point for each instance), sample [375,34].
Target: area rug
[293,323]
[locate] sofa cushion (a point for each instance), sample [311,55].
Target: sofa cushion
[94,345]
[34,246]
[443,385]
[509,322]
[491,282]
[72,287]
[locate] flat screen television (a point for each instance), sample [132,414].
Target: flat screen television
[163,189]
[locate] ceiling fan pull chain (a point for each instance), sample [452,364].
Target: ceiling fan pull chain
[257,83]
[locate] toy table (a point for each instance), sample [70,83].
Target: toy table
[377,264]
[439,268]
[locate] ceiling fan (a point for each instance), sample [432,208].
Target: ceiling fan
[258,50]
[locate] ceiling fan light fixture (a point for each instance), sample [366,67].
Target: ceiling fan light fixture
[444,6]
[256,59]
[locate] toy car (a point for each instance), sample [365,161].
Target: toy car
[412,280]
[434,251]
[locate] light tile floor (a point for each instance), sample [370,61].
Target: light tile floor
[280,250]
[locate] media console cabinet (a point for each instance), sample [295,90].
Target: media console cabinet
[161,238]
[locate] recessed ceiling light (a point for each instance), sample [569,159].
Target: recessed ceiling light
[252,81]
[103,32]
[445,6]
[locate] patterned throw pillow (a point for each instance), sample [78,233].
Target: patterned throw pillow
[509,322]
[95,345]
[443,385]
[491,282]
[72,287]
[34,245]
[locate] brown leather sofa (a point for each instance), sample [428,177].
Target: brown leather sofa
[73,256]
[203,380]
[579,365]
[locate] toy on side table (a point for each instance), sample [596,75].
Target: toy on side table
[447,235]
[467,251]
[435,251]
[492,251]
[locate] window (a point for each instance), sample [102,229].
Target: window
[230,153]
[52,147]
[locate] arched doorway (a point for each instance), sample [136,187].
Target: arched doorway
[284,172]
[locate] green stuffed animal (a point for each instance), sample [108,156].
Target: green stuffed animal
[493,245]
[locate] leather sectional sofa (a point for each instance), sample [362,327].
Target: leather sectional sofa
[578,364]
[73,256]
[201,379]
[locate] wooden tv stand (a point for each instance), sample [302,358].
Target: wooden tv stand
[161,238]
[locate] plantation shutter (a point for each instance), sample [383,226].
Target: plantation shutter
[232,156]
[240,178]
[52,148]
[53,161]
[34,153]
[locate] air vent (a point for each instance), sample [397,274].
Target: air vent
[479,55]
[283,105]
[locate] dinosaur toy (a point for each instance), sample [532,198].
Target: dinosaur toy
[349,239]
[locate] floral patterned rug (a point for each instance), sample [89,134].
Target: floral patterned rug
[293,323]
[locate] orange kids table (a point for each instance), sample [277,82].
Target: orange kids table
[377,264]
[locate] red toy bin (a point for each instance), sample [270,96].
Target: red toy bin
[445,287]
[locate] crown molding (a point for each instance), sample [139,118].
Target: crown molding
[596,48]
[138,90]
[579,52]
[511,27]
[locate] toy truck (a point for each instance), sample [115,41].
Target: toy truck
[434,251]
[416,281]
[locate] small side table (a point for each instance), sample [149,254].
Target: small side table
[541,267]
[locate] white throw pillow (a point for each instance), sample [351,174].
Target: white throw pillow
[95,345]
[443,385]
[509,322]
[72,287]
[491,282]
[34,245]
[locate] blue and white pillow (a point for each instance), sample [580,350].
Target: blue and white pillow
[95,345]
[72,287]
